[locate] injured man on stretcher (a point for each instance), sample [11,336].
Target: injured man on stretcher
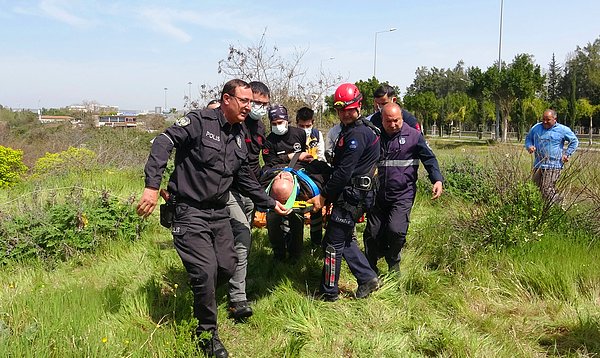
[293,186]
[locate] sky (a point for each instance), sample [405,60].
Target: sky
[56,53]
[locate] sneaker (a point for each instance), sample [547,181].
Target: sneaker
[239,310]
[366,288]
[213,347]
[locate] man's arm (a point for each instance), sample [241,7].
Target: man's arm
[573,143]
[429,161]
[529,141]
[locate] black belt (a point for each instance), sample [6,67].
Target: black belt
[203,205]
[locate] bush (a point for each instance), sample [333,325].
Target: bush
[70,160]
[469,180]
[59,231]
[11,166]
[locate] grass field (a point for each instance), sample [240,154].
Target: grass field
[455,296]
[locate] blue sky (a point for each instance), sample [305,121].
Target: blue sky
[60,52]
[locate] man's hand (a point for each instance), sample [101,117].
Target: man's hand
[531,149]
[565,158]
[305,157]
[281,210]
[148,202]
[317,202]
[437,190]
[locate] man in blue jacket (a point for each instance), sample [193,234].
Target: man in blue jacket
[546,140]
[403,148]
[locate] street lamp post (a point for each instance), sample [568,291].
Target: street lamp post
[165,110]
[375,51]
[190,90]
[497,126]
[321,90]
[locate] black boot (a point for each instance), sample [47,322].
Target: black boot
[212,347]
[366,288]
[239,310]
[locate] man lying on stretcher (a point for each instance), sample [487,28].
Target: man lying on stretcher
[294,185]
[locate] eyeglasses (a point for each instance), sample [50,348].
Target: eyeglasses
[344,104]
[243,101]
[260,104]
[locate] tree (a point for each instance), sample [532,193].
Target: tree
[286,77]
[425,106]
[588,110]
[518,81]
[553,83]
[584,65]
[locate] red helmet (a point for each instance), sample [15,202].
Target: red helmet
[347,96]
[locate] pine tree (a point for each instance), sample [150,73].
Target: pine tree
[553,83]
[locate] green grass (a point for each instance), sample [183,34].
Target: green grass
[132,299]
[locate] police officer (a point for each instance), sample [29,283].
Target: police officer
[284,141]
[210,155]
[387,223]
[350,189]
[241,207]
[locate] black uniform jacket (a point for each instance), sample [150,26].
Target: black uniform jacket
[356,154]
[277,147]
[255,141]
[211,154]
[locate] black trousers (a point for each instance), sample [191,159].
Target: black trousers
[204,241]
[286,234]
[385,234]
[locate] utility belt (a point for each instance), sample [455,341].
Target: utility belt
[206,205]
[362,182]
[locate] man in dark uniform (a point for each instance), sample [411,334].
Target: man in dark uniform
[210,155]
[387,223]
[383,95]
[350,189]
[241,208]
[284,141]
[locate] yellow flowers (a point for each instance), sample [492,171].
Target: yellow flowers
[104,339]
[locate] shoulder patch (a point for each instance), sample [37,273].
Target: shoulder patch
[183,121]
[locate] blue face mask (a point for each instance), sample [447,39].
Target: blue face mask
[257,111]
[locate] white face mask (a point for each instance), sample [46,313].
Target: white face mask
[280,129]
[257,112]
[308,131]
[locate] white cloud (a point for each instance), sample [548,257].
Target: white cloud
[55,10]
[163,21]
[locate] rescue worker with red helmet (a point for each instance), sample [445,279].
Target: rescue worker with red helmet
[351,191]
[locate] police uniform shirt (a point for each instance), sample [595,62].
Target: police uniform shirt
[210,154]
[355,154]
[277,147]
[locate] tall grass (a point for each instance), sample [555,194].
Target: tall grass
[457,295]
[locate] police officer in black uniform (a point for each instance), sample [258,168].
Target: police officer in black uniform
[350,189]
[285,233]
[210,155]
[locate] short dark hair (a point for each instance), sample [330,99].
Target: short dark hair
[260,88]
[231,85]
[383,90]
[304,114]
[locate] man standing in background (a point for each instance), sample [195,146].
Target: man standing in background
[546,140]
